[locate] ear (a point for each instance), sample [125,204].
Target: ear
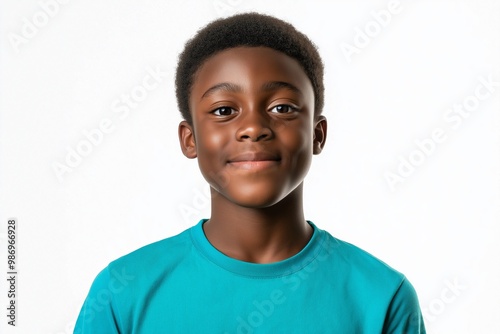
[319,138]
[187,140]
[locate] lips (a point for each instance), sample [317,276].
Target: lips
[254,156]
[254,160]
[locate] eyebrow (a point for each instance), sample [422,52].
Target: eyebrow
[275,85]
[224,86]
[233,88]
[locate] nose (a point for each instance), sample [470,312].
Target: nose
[255,126]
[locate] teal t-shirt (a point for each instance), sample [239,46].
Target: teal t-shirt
[183,284]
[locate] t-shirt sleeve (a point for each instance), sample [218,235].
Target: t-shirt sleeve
[98,314]
[404,315]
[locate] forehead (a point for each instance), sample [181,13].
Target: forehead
[250,68]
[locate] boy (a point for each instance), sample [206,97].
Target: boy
[250,90]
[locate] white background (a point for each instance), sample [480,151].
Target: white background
[439,226]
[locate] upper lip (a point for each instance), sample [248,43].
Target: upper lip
[254,156]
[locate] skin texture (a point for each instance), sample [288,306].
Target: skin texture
[254,133]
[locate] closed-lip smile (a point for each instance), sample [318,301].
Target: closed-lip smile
[254,160]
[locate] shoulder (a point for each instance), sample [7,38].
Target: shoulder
[127,281]
[358,267]
[368,278]
[166,251]
[357,258]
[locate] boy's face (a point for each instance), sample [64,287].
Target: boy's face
[254,130]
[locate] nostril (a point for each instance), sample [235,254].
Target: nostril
[263,136]
[254,132]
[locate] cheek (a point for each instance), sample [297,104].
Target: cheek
[210,144]
[298,144]
[297,140]
[210,141]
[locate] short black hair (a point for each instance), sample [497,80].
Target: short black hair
[253,30]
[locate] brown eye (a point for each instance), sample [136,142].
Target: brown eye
[223,111]
[283,109]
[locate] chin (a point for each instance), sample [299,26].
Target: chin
[255,198]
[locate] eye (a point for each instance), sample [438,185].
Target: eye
[223,111]
[283,109]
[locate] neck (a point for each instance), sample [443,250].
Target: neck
[259,235]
